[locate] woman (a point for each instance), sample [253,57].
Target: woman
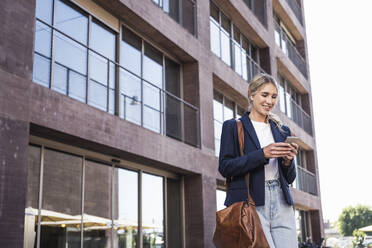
[267,158]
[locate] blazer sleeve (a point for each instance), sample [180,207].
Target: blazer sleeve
[289,172]
[230,162]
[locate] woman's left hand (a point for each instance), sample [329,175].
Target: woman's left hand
[288,158]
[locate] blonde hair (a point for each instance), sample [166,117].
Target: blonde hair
[257,82]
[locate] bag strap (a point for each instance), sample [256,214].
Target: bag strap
[241,145]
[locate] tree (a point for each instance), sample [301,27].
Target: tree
[358,239]
[353,218]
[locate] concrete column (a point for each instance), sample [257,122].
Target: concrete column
[13,174]
[200,211]
[17,25]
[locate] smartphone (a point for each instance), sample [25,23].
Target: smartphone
[293,139]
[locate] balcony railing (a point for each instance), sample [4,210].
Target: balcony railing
[306,181]
[140,101]
[296,8]
[301,117]
[296,58]
[287,46]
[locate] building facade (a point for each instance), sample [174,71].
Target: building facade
[111,114]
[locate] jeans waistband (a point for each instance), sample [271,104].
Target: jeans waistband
[274,182]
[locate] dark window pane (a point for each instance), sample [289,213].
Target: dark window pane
[225,23]
[125,208]
[97,205]
[236,34]
[152,211]
[61,207]
[188,14]
[214,12]
[171,7]
[44,10]
[172,77]
[173,117]
[174,213]
[71,22]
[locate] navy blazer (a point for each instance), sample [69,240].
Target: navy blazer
[234,167]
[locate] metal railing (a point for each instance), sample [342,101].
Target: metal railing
[290,50]
[301,117]
[180,122]
[306,181]
[254,67]
[296,57]
[296,8]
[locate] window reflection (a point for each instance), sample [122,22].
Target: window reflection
[71,22]
[61,203]
[110,204]
[125,208]
[152,211]
[97,205]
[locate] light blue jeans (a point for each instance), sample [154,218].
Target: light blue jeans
[277,218]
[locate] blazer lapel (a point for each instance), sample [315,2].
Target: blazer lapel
[278,137]
[248,126]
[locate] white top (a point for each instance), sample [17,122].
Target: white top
[265,137]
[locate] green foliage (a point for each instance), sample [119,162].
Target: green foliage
[353,218]
[358,239]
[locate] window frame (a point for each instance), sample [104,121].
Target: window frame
[113,163]
[249,60]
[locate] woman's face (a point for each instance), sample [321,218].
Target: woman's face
[265,98]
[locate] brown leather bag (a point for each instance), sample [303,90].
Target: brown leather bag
[238,226]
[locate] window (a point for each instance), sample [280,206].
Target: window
[290,103]
[77,210]
[150,86]
[84,67]
[302,225]
[286,41]
[231,46]
[223,109]
[182,11]
[67,39]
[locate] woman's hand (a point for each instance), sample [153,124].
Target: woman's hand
[288,158]
[277,150]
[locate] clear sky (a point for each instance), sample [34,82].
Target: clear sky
[339,38]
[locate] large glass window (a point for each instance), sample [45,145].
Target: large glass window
[120,209]
[152,211]
[67,37]
[223,109]
[231,46]
[150,86]
[180,8]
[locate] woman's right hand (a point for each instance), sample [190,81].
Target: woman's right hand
[277,150]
